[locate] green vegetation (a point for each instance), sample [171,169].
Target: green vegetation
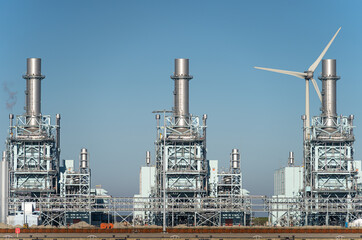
[260,221]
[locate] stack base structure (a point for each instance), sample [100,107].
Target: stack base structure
[182,169]
[32,147]
[330,171]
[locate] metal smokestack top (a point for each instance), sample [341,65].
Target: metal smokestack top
[83,160]
[181,94]
[33,90]
[329,95]
[291,159]
[235,158]
[181,66]
[329,68]
[33,66]
[148,157]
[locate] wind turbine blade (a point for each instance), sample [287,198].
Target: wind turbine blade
[296,74]
[316,89]
[315,64]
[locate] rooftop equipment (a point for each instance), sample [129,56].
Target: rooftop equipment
[291,159]
[148,158]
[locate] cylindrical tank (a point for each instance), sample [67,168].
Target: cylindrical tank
[4,178]
[235,158]
[148,157]
[33,91]
[181,92]
[84,158]
[329,95]
[291,159]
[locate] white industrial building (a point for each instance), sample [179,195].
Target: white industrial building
[147,182]
[288,182]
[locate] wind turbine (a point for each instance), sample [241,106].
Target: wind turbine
[307,75]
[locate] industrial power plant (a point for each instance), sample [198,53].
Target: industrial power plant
[180,185]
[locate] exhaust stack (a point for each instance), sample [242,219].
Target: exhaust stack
[291,159]
[235,158]
[33,91]
[84,160]
[181,94]
[148,158]
[329,95]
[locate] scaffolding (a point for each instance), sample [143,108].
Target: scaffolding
[206,211]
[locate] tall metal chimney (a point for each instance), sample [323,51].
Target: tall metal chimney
[329,96]
[84,160]
[181,94]
[148,158]
[291,159]
[235,158]
[33,91]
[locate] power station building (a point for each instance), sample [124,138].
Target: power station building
[330,174]
[181,185]
[325,190]
[31,170]
[182,174]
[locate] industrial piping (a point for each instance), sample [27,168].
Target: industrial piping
[181,94]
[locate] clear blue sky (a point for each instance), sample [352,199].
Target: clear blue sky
[107,67]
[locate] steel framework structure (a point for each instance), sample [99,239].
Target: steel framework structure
[185,164]
[329,170]
[74,183]
[206,211]
[330,174]
[230,182]
[33,158]
[181,166]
